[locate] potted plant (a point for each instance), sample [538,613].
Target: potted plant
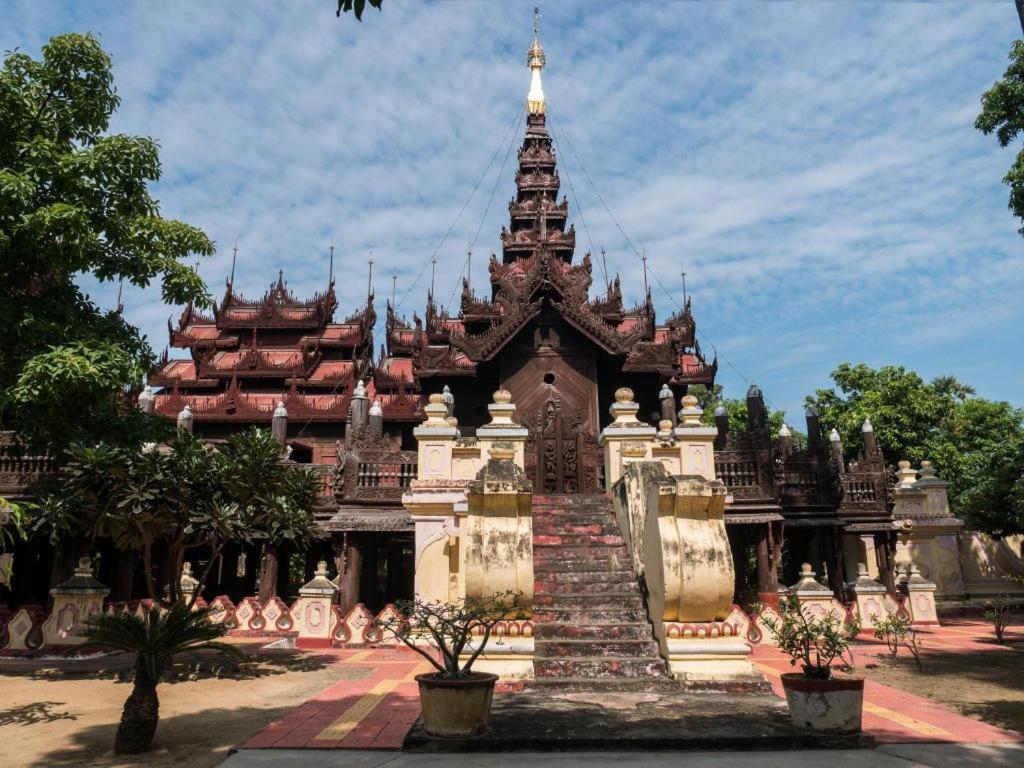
[456,701]
[816,698]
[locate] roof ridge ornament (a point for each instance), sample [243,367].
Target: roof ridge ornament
[535,59]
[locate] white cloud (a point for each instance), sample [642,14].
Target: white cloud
[815,166]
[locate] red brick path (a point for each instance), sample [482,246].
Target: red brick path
[377,711]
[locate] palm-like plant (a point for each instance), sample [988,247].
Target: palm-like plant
[155,640]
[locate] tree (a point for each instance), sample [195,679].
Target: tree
[1002,113]
[972,441]
[75,200]
[155,640]
[357,7]
[182,496]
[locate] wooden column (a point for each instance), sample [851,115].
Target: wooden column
[738,539]
[122,578]
[882,557]
[268,574]
[767,585]
[351,571]
[836,572]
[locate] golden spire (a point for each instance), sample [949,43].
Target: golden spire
[535,103]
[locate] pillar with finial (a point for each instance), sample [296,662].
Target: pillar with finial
[836,442]
[757,414]
[279,423]
[867,432]
[376,420]
[185,420]
[722,424]
[359,412]
[449,399]
[785,440]
[813,429]
[668,404]
[147,400]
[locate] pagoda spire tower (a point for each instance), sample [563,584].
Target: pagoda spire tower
[535,102]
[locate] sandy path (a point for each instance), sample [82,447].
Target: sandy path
[56,718]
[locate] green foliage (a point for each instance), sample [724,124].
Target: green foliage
[1002,113]
[451,626]
[185,494]
[74,201]
[898,631]
[12,523]
[813,642]
[709,398]
[973,442]
[357,7]
[155,640]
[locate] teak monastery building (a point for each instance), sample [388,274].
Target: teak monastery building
[547,340]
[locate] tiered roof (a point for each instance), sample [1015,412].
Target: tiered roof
[249,354]
[537,269]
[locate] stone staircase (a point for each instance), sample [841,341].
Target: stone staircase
[591,629]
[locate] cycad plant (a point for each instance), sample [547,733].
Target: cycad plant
[155,640]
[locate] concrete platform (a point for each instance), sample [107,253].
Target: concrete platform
[628,722]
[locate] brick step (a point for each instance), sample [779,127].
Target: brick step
[578,549]
[612,631]
[603,528]
[632,648]
[577,565]
[599,667]
[563,540]
[580,577]
[607,601]
[565,499]
[553,685]
[587,616]
[551,587]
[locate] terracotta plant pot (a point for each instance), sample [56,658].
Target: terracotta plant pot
[456,707]
[834,705]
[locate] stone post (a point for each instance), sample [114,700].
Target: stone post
[74,601]
[921,597]
[815,599]
[872,598]
[626,439]
[279,423]
[312,614]
[435,438]
[185,420]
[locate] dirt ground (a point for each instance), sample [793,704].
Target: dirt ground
[985,685]
[51,717]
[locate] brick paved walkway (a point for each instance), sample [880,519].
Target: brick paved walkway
[376,709]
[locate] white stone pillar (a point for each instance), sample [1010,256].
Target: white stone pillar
[626,439]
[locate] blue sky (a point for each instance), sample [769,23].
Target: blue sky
[813,165]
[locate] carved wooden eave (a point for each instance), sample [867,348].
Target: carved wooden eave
[277,308]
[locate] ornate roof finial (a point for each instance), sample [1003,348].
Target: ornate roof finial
[535,103]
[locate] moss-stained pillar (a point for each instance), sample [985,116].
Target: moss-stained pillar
[497,533]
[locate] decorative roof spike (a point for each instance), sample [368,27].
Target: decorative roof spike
[867,426]
[784,430]
[834,436]
[535,59]
[376,409]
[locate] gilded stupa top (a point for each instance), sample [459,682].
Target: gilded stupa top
[535,102]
